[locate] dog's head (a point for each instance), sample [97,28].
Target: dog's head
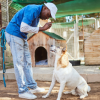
[57,50]
[62,52]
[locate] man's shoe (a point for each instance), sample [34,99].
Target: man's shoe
[37,90]
[27,95]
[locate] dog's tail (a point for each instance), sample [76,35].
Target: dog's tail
[89,89]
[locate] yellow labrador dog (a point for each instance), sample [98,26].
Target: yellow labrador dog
[65,74]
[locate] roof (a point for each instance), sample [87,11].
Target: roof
[41,1]
[71,24]
[53,35]
[65,7]
[94,33]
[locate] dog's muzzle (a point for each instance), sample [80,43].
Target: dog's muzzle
[53,50]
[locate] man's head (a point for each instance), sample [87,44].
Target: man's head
[48,10]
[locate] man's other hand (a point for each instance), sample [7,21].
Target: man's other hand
[46,26]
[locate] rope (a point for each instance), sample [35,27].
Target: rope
[3,45]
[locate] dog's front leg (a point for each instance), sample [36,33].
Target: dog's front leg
[62,85]
[51,87]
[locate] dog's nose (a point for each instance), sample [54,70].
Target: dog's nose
[51,45]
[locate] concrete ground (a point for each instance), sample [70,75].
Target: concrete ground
[90,73]
[11,91]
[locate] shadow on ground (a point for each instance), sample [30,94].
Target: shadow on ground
[10,92]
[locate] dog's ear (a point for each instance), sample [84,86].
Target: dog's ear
[64,60]
[64,49]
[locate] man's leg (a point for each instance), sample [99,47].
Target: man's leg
[28,67]
[16,46]
[29,72]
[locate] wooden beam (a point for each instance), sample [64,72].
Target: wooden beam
[1,34]
[76,40]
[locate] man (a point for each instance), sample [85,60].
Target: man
[25,21]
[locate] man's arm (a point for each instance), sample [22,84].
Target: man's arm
[29,29]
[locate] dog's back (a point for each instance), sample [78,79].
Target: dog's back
[68,75]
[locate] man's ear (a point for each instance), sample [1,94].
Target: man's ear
[45,8]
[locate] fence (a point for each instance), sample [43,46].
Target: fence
[5,20]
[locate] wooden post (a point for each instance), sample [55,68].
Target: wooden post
[76,40]
[95,25]
[83,39]
[7,12]
[0,16]
[83,33]
[97,22]
[1,34]
[82,29]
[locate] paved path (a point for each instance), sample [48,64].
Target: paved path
[90,73]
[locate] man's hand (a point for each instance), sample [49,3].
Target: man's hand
[2,28]
[46,26]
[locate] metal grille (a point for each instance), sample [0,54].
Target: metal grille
[5,20]
[5,11]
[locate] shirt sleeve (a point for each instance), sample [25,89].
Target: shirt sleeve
[28,29]
[30,13]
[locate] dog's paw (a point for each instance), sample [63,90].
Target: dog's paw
[58,99]
[83,96]
[45,96]
[67,92]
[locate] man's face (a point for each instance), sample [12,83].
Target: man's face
[45,13]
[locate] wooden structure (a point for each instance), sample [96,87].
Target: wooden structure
[92,48]
[39,45]
[0,16]
[1,34]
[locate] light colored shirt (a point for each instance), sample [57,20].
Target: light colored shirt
[25,28]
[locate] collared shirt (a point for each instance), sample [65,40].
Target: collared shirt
[29,15]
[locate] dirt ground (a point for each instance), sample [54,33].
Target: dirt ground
[10,92]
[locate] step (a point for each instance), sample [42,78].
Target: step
[90,73]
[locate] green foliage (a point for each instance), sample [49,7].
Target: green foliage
[95,15]
[63,19]
[14,8]
[10,64]
[6,62]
